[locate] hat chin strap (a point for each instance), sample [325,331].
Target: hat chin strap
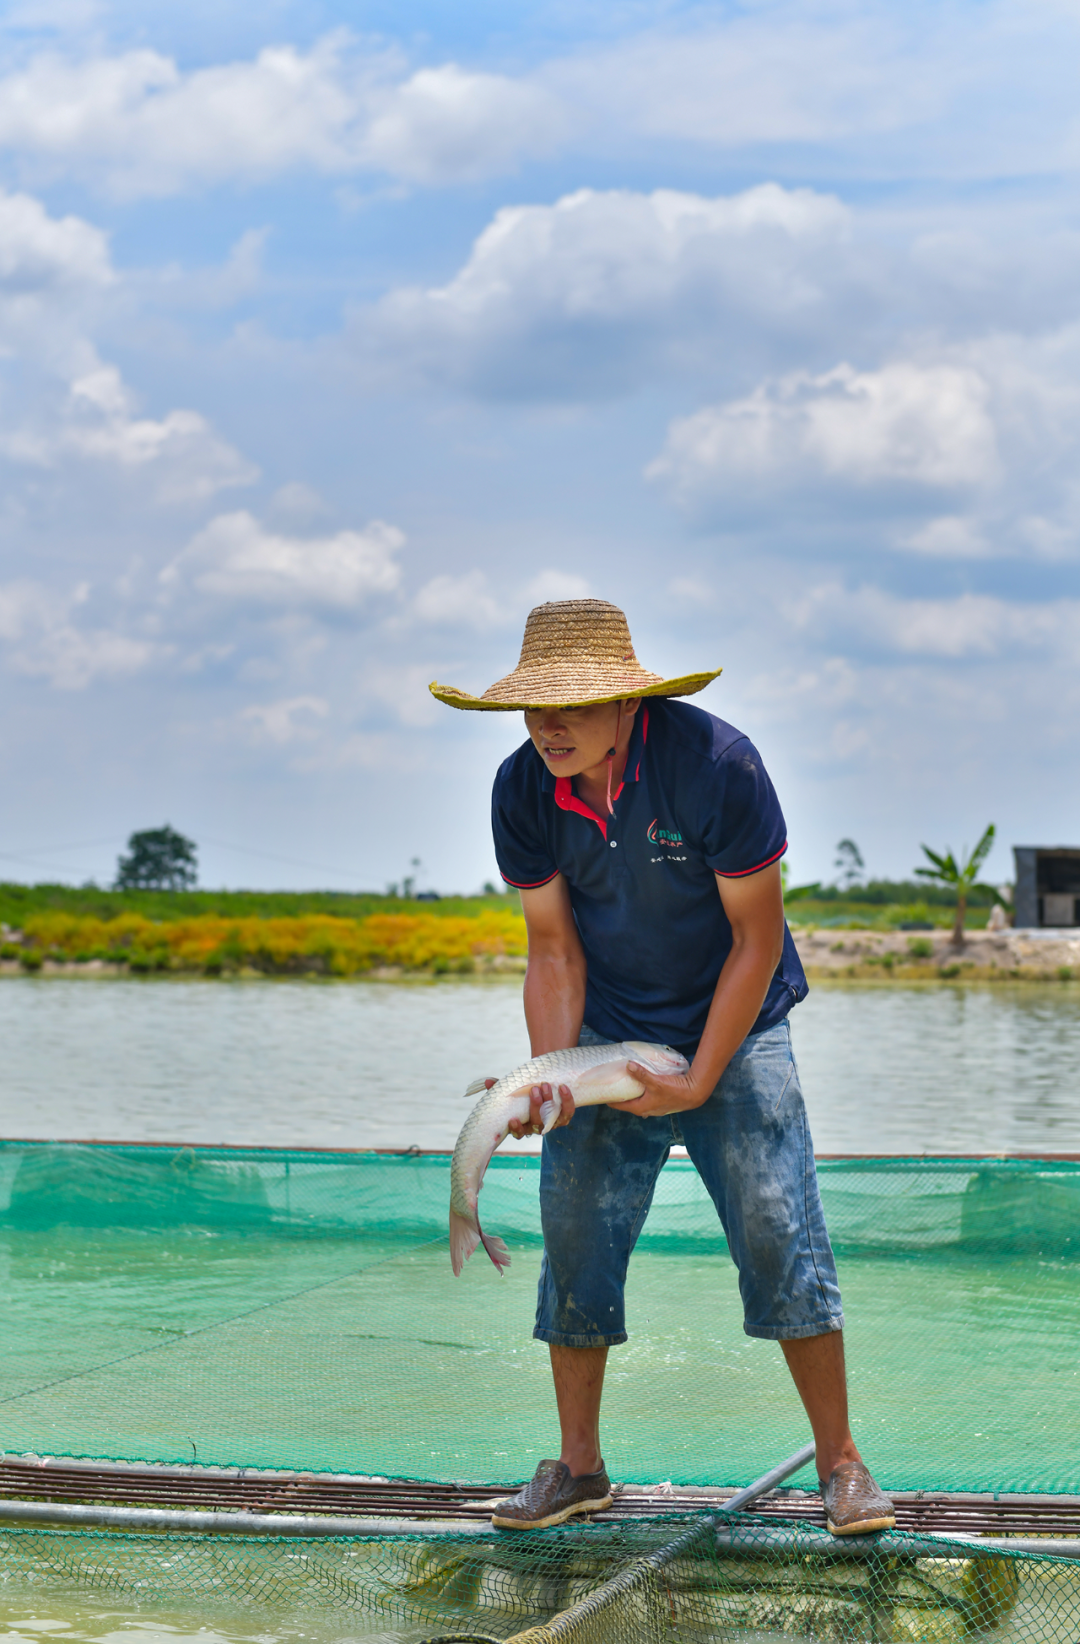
[610,758]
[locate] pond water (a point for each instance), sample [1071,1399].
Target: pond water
[885,1069]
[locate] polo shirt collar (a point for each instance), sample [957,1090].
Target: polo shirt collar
[550,783]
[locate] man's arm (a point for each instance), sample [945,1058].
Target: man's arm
[554,986]
[555,978]
[755,909]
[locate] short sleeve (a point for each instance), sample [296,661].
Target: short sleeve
[741,825]
[523,854]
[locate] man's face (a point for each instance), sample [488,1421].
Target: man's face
[573,740]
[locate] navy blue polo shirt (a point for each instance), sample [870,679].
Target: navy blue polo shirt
[695,803]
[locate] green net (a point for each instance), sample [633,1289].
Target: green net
[260,1308]
[659,1580]
[296,1310]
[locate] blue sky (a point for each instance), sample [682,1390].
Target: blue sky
[332,338]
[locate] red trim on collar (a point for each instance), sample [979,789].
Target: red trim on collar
[567,800]
[644,736]
[743,872]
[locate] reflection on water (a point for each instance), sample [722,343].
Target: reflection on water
[79,1619]
[941,1069]
[919,1069]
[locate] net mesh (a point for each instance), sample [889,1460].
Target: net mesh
[273,1309]
[653,1580]
[261,1308]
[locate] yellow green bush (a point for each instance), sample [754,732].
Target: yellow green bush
[320,944]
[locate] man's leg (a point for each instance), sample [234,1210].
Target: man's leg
[817,1369]
[751,1143]
[596,1184]
[579,1386]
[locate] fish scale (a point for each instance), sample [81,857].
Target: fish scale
[508,1099]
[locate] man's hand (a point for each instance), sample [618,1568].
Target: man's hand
[663,1093]
[533,1125]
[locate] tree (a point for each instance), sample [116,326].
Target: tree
[850,863]
[962,878]
[158,859]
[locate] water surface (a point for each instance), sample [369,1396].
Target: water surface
[920,1069]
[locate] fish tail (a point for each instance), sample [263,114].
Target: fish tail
[464,1238]
[495,1247]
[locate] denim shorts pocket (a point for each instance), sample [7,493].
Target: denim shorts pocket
[792,1073]
[761,1074]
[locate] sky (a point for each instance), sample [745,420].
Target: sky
[334,337]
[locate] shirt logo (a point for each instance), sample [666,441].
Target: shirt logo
[667,840]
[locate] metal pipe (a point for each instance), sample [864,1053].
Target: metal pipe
[762,1539]
[768,1481]
[196,1471]
[194,1521]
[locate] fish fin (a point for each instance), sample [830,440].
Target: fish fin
[550,1110]
[464,1238]
[477,1087]
[496,1249]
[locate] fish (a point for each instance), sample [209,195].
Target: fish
[594,1073]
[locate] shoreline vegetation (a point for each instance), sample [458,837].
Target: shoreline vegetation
[840,935]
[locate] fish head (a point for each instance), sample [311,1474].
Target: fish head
[659,1059]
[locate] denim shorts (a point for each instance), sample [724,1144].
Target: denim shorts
[750,1142]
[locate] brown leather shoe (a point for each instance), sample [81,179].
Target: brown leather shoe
[853,1503]
[551,1496]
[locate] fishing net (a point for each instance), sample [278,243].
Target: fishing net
[261,1308]
[253,1308]
[663,1580]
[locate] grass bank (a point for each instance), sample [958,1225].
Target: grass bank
[236,933]
[58,928]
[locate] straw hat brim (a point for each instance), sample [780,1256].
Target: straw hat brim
[532,695]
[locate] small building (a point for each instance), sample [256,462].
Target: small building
[1047,886]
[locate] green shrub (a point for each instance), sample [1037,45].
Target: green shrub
[31,959]
[921,948]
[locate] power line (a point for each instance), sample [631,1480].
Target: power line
[28,862]
[51,850]
[273,856]
[29,858]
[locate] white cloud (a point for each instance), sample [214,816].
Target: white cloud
[138,123]
[455,601]
[39,253]
[771,74]
[54,275]
[466,601]
[45,641]
[949,536]
[448,124]
[283,722]
[236,558]
[555,584]
[587,291]
[909,424]
[189,461]
[969,626]
[403,688]
[777,75]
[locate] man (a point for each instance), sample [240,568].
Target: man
[619,821]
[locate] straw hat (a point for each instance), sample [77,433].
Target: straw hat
[575,652]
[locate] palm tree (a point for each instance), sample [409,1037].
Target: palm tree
[962,878]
